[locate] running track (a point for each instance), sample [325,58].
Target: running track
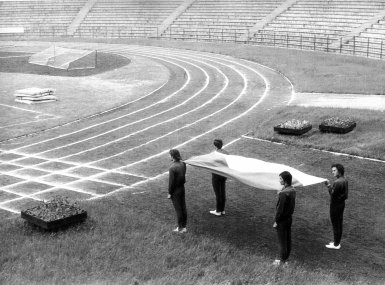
[207,96]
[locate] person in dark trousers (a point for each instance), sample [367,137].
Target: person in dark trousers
[283,216]
[176,190]
[219,184]
[338,194]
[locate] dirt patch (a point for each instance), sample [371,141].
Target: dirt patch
[17,62]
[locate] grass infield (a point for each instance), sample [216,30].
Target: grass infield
[127,238]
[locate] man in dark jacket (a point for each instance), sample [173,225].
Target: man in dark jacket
[338,194]
[283,216]
[219,184]
[176,191]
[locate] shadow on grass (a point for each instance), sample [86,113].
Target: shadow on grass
[18,63]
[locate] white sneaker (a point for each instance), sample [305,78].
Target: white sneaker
[176,230]
[277,262]
[183,230]
[214,212]
[332,246]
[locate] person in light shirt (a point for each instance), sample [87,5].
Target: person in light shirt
[219,184]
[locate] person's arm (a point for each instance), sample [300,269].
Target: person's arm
[335,189]
[171,181]
[280,207]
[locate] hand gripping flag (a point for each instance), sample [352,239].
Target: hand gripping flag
[253,172]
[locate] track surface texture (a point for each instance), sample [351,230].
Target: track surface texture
[206,96]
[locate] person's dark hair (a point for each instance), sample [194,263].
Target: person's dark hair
[340,168]
[175,154]
[286,177]
[218,143]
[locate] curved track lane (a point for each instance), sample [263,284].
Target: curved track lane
[208,95]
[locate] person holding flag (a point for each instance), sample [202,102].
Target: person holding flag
[219,184]
[283,216]
[338,194]
[176,190]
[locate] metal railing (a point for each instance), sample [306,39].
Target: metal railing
[358,46]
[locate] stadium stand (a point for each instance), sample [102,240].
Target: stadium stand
[39,18]
[223,20]
[355,27]
[369,42]
[125,18]
[328,19]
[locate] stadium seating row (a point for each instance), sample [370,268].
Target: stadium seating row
[208,20]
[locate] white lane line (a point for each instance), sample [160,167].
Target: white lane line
[64,172]
[123,116]
[163,122]
[267,88]
[21,198]
[26,110]
[76,165]
[207,81]
[243,91]
[15,56]
[38,179]
[190,98]
[316,149]
[89,177]
[227,122]
[27,123]
[31,196]
[11,192]
[227,60]
[9,210]
[188,125]
[150,179]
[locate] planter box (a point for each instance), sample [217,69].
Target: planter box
[338,130]
[56,223]
[288,131]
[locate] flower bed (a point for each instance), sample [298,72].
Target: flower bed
[337,125]
[293,127]
[54,213]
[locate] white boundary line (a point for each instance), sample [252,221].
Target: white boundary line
[293,93]
[26,110]
[203,118]
[126,187]
[27,123]
[106,111]
[140,182]
[267,84]
[120,117]
[164,173]
[316,149]
[267,89]
[15,56]
[207,81]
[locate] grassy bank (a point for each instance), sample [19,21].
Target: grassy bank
[367,139]
[127,238]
